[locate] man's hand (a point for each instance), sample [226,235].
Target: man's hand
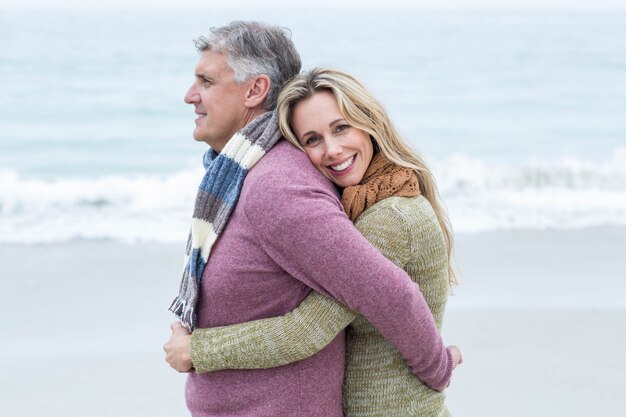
[457,359]
[177,349]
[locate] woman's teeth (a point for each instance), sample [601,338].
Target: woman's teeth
[343,166]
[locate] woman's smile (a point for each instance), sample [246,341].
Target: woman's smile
[341,152]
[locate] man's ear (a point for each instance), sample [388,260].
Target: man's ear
[258,90]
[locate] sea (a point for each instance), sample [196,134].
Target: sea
[521,114]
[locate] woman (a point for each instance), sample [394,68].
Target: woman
[391,196]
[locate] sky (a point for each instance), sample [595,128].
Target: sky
[235,4]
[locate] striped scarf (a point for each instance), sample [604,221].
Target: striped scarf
[217,196]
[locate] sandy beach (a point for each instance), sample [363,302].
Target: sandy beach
[518,107]
[540,318]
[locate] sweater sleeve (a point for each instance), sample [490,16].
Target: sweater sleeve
[271,342]
[277,341]
[303,228]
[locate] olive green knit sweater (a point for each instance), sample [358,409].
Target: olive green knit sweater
[376,382]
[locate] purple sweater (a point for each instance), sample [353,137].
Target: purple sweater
[287,235]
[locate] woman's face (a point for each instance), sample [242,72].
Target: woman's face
[339,151]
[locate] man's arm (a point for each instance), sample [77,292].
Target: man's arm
[277,341]
[303,228]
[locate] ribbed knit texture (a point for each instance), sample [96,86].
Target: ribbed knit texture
[377,381]
[381,180]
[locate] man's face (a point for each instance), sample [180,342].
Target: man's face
[218,100]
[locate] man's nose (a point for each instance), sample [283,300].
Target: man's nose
[192,95]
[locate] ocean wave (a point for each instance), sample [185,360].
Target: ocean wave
[130,209]
[568,193]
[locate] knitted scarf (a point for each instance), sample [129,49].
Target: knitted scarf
[381,180]
[215,201]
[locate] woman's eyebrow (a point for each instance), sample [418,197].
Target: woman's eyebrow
[341,119]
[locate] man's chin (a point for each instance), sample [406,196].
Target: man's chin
[198,137]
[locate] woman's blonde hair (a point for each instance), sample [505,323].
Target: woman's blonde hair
[361,110]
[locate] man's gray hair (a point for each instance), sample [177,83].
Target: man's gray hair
[255,48]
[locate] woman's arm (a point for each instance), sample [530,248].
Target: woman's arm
[271,342]
[277,341]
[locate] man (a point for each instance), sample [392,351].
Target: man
[268,228]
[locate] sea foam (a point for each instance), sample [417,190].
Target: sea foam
[568,193]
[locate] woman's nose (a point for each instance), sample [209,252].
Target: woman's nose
[333,148]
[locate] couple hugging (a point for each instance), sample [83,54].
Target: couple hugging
[318,263]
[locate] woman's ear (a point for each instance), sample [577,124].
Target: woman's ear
[258,90]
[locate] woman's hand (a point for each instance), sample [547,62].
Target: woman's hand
[177,349]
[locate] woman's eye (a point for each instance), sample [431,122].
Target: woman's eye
[311,140]
[341,128]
